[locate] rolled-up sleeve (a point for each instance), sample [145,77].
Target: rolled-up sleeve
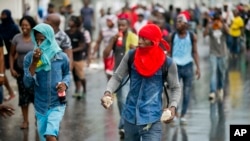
[28,79]
[174,85]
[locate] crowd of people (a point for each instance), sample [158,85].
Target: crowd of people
[137,46]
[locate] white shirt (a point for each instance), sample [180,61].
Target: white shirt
[138,25]
[228,16]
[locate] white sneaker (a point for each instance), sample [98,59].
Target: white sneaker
[211,97]
[183,121]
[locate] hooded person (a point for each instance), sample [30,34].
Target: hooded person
[47,71]
[143,108]
[149,59]
[49,46]
[8,28]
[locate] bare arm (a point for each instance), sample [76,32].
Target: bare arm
[98,42]
[2,61]
[109,48]
[2,72]
[12,56]
[225,28]
[12,60]
[196,57]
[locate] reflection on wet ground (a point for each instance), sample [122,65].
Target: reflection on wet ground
[86,120]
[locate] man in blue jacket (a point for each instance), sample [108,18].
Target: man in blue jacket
[143,108]
[47,70]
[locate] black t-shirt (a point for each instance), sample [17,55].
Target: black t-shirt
[76,38]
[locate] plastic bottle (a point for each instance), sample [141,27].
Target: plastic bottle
[62,96]
[119,40]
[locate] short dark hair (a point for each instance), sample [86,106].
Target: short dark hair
[30,20]
[76,20]
[51,5]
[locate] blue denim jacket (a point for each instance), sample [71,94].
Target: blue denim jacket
[144,101]
[45,82]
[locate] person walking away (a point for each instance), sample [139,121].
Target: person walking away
[143,109]
[217,31]
[184,52]
[8,29]
[47,71]
[21,45]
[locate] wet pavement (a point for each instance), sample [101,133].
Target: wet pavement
[87,120]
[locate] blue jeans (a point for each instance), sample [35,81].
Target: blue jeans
[121,100]
[142,133]
[49,123]
[218,67]
[185,73]
[1,94]
[228,41]
[234,44]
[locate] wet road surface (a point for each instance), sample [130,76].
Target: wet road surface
[87,120]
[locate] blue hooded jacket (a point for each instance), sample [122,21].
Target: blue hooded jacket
[49,46]
[55,68]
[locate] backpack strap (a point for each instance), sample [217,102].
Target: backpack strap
[131,59]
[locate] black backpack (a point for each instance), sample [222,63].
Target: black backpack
[164,68]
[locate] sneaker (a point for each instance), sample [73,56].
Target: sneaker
[121,133]
[220,94]
[79,96]
[183,121]
[211,97]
